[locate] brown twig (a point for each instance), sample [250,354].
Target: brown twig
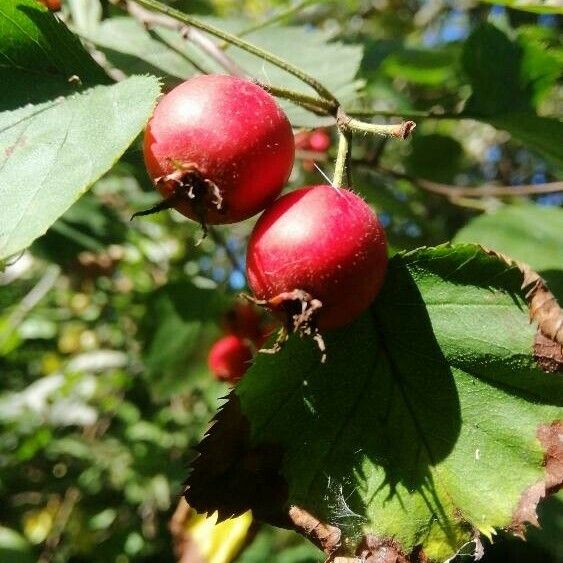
[205,44]
[71,498]
[452,191]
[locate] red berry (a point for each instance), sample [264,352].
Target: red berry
[324,241]
[319,141]
[229,358]
[244,320]
[53,5]
[302,140]
[220,146]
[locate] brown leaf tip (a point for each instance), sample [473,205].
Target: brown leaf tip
[543,307]
[548,354]
[323,535]
[551,438]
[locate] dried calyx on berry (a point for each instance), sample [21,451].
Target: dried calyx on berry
[317,259]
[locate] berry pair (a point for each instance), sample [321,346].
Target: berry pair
[220,149]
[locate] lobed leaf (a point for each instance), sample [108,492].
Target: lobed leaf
[430,424]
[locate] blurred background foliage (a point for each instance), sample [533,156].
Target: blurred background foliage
[105,323]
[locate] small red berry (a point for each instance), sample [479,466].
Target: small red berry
[53,5]
[219,148]
[319,141]
[244,320]
[323,241]
[302,140]
[229,358]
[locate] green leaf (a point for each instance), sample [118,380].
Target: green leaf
[40,58]
[422,66]
[435,157]
[541,62]
[51,153]
[508,78]
[14,548]
[539,133]
[164,52]
[529,233]
[420,430]
[134,49]
[493,64]
[333,63]
[538,7]
[173,331]
[526,232]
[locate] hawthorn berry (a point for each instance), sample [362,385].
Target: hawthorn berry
[317,257]
[319,140]
[244,320]
[53,5]
[218,148]
[229,358]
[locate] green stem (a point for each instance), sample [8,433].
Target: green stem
[341,158]
[412,114]
[398,130]
[312,103]
[245,45]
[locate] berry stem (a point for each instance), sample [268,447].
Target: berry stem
[246,46]
[342,157]
[397,130]
[312,103]
[409,114]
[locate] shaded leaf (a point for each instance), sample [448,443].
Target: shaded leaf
[493,63]
[87,225]
[435,157]
[173,329]
[507,79]
[40,58]
[425,426]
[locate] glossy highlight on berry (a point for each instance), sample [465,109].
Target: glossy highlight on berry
[322,241]
[218,148]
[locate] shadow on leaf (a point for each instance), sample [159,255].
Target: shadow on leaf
[383,409]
